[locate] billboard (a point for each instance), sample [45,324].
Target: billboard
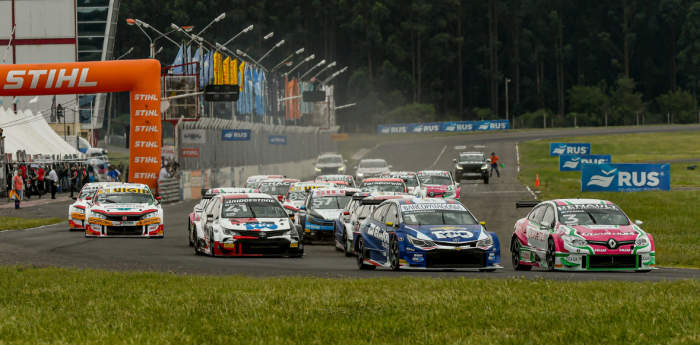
[492,125]
[625,177]
[458,126]
[573,162]
[235,134]
[190,153]
[277,140]
[194,136]
[556,149]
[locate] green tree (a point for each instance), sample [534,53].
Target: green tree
[625,103]
[589,101]
[680,104]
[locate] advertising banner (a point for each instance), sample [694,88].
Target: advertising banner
[461,126]
[492,125]
[277,140]
[458,126]
[425,127]
[573,162]
[167,151]
[387,129]
[625,177]
[194,136]
[235,134]
[190,153]
[557,149]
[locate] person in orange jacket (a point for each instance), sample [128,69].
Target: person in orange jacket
[494,164]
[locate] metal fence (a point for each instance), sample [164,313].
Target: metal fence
[169,190]
[116,140]
[302,143]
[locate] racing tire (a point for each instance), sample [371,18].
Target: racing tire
[300,255]
[551,258]
[394,254]
[361,257]
[346,250]
[486,180]
[487,270]
[197,246]
[211,245]
[642,271]
[515,256]
[458,177]
[190,233]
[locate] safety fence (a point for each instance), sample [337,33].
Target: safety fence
[459,126]
[169,190]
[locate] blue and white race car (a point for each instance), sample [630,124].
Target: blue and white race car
[413,233]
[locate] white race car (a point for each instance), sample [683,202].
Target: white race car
[413,184]
[254,181]
[76,211]
[297,195]
[127,210]
[206,196]
[439,184]
[247,225]
[320,211]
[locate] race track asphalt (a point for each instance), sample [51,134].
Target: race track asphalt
[493,203]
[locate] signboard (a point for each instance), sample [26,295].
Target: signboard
[194,136]
[387,129]
[235,134]
[458,126]
[167,151]
[625,177]
[277,139]
[462,126]
[190,153]
[313,96]
[492,125]
[573,162]
[339,136]
[556,149]
[221,93]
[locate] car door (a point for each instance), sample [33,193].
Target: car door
[391,216]
[374,228]
[532,226]
[541,229]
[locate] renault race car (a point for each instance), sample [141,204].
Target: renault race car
[439,184]
[371,168]
[414,233]
[76,211]
[383,185]
[472,165]
[125,210]
[254,181]
[346,178]
[413,184]
[206,196]
[580,235]
[330,163]
[296,196]
[277,187]
[320,210]
[247,225]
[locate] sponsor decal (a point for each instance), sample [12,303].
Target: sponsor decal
[145,175]
[492,125]
[573,162]
[15,79]
[235,134]
[453,234]
[525,255]
[462,126]
[557,149]
[99,221]
[625,177]
[532,233]
[194,136]
[260,226]
[379,234]
[492,256]
[155,220]
[146,160]
[77,216]
[574,259]
[244,200]
[192,153]
[418,258]
[277,140]
[146,128]
[423,207]
[167,151]
[118,190]
[146,144]
[146,113]
[145,97]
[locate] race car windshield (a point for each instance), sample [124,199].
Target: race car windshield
[274,188]
[296,196]
[471,158]
[253,184]
[86,193]
[329,202]
[436,180]
[330,160]
[592,216]
[382,187]
[439,217]
[373,164]
[253,209]
[124,198]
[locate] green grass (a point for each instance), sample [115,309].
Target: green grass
[17,223]
[118,157]
[41,305]
[671,217]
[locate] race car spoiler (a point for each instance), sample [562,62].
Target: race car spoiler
[526,203]
[373,201]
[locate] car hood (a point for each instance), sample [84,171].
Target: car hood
[372,170]
[329,214]
[256,224]
[293,204]
[117,208]
[435,188]
[447,233]
[604,232]
[329,165]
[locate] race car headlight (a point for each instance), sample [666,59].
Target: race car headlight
[230,232]
[420,243]
[574,241]
[359,174]
[341,168]
[642,241]
[78,210]
[459,167]
[98,215]
[487,242]
[150,215]
[484,167]
[292,232]
[318,169]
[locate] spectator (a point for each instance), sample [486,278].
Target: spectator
[65,176]
[53,181]
[17,186]
[126,178]
[73,180]
[91,173]
[40,180]
[163,173]
[113,174]
[120,168]
[494,164]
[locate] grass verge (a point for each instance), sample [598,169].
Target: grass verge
[118,157]
[42,305]
[17,223]
[671,217]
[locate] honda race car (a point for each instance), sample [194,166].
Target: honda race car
[346,178]
[296,196]
[126,210]
[206,196]
[76,211]
[320,210]
[254,181]
[413,233]
[439,184]
[247,225]
[580,235]
[383,185]
[413,184]
[276,187]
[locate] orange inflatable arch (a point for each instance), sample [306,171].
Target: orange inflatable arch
[140,77]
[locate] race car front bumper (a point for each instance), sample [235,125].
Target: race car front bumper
[241,247]
[450,259]
[150,228]
[601,262]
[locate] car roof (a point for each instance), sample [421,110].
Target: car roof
[416,200]
[228,190]
[433,172]
[382,180]
[326,177]
[562,202]
[373,160]
[257,177]
[127,185]
[313,183]
[290,180]
[329,154]
[390,197]
[393,173]
[247,196]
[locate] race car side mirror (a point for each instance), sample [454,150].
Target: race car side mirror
[482,223]
[638,222]
[302,208]
[280,197]
[210,218]
[454,160]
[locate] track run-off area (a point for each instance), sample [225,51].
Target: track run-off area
[493,203]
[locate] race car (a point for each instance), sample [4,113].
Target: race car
[277,187]
[297,195]
[320,210]
[415,233]
[125,210]
[383,185]
[472,165]
[251,224]
[347,178]
[76,211]
[330,163]
[580,235]
[353,214]
[371,168]
[439,184]
[196,213]
[254,181]
[413,184]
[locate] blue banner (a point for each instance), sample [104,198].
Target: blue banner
[461,126]
[573,162]
[492,125]
[277,139]
[386,129]
[625,177]
[235,135]
[556,149]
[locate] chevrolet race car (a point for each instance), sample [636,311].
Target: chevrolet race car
[383,185]
[471,165]
[321,208]
[414,233]
[580,235]
[254,181]
[206,196]
[371,168]
[247,225]
[354,213]
[439,184]
[276,187]
[413,184]
[297,195]
[126,210]
[347,178]
[76,211]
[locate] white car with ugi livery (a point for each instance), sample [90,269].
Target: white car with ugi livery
[126,210]
[76,211]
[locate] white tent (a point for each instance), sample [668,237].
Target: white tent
[30,132]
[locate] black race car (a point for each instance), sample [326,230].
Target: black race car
[472,165]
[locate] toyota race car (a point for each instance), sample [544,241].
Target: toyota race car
[321,209]
[347,178]
[126,210]
[371,168]
[254,181]
[297,195]
[439,184]
[413,184]
[580,235]
[383,185]
[76,211]
[247,225]
[413,233]
[276,187]
[206,196]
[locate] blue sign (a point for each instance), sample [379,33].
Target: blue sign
[557,149]
[573,162]
[462,126]
[625,177]
[278,140]
[492,125]
[235,134]
[425,127]
[386,129]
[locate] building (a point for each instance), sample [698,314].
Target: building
[60,31]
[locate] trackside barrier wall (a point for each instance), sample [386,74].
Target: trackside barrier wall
[169,190]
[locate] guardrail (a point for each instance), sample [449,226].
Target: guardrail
[169,190]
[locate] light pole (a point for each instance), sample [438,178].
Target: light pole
[128,52]
[313,68]
[332,64]
[270,51]
[297,66]
[507,118]
[287,59]
[333,76]
[217,19]
[141,25]
[219,46]
[159,50]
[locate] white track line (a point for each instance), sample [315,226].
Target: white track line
[517,154]
[531,192]
[438,158]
